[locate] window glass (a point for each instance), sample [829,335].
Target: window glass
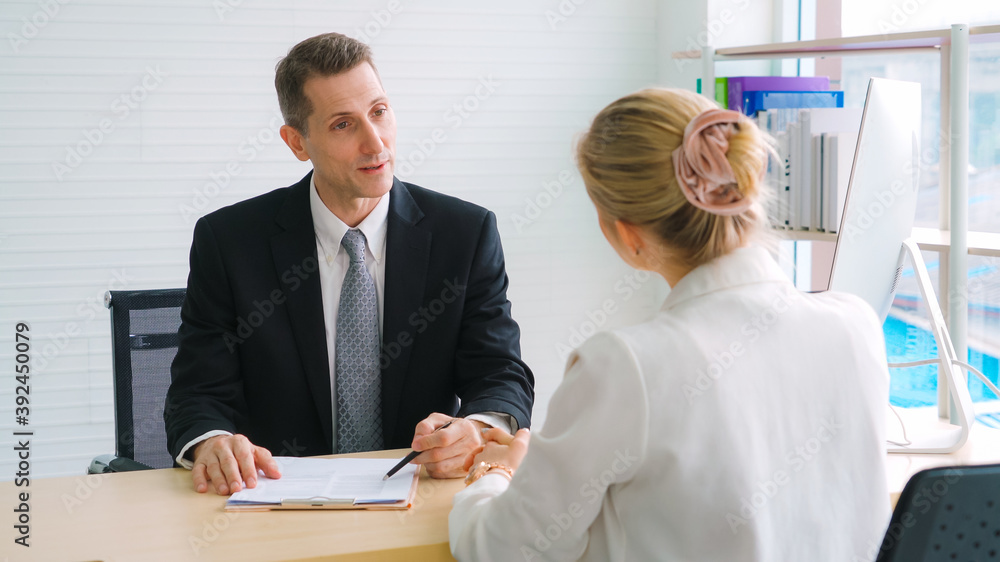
[906,329]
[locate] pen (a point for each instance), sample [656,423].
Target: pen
[411,456]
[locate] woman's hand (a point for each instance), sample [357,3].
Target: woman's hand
[504,448]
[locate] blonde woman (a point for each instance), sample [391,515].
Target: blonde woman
[745,421]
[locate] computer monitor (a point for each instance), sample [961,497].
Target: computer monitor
[874,239]
[881,196]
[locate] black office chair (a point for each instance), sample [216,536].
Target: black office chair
[144,342]
[946,514]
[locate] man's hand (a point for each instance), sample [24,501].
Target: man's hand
[230,461]
[447,453]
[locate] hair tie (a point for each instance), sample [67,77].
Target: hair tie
[705,177]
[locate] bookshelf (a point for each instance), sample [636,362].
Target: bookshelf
[951,239]
[985,244]
[916,41]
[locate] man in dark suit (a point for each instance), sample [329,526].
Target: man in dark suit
[348,312]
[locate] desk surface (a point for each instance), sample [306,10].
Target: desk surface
[983,447]
[156,515]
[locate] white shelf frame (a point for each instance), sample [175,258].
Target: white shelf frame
[986,244]
[952,239]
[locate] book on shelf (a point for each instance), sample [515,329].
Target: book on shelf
[794,187]
[838,159]
[777,122]
[739,84]
[811,124]
[805,166]
[721,90]
[762,100]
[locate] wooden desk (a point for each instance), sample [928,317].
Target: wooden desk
[157,515]
[983,447]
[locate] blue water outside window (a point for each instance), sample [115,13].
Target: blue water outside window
[907,338]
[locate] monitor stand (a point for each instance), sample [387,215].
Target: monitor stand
[942,436]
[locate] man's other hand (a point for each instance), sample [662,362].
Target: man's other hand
[230,463]
[447,453]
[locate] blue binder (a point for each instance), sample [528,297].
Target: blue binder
[761,100]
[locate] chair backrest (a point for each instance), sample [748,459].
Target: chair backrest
[144,342]
[948,513]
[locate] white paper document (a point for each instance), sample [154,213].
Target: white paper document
[308,482]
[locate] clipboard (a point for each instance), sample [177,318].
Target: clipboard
[325,484]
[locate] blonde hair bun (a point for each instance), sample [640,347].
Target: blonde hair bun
[626,160]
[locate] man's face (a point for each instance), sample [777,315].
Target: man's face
[352,133]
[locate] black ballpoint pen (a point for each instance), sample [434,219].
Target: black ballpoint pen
[411,456]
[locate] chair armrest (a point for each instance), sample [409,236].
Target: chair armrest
[103,464]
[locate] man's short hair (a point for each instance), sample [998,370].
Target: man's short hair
[323,55]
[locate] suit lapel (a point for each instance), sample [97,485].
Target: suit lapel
[407,256]
[294,251]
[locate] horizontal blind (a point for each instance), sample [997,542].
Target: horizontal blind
[124,122]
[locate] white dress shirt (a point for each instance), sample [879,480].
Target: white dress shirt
[334,262]
[744,422]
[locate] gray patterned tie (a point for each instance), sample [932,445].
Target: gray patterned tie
[359,380]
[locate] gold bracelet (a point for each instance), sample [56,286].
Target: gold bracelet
[484,467]
[505,470]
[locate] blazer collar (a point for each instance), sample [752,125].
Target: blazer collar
[293,248]
[743,266]
[294,214]
[402,205]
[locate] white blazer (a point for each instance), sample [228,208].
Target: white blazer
[745,421]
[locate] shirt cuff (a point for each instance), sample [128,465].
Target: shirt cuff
[190,464]
[505,422]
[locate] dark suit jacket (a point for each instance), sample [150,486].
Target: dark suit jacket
[253,355]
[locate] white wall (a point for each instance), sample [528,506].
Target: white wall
[184,94]
[738,23]
[690,26]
